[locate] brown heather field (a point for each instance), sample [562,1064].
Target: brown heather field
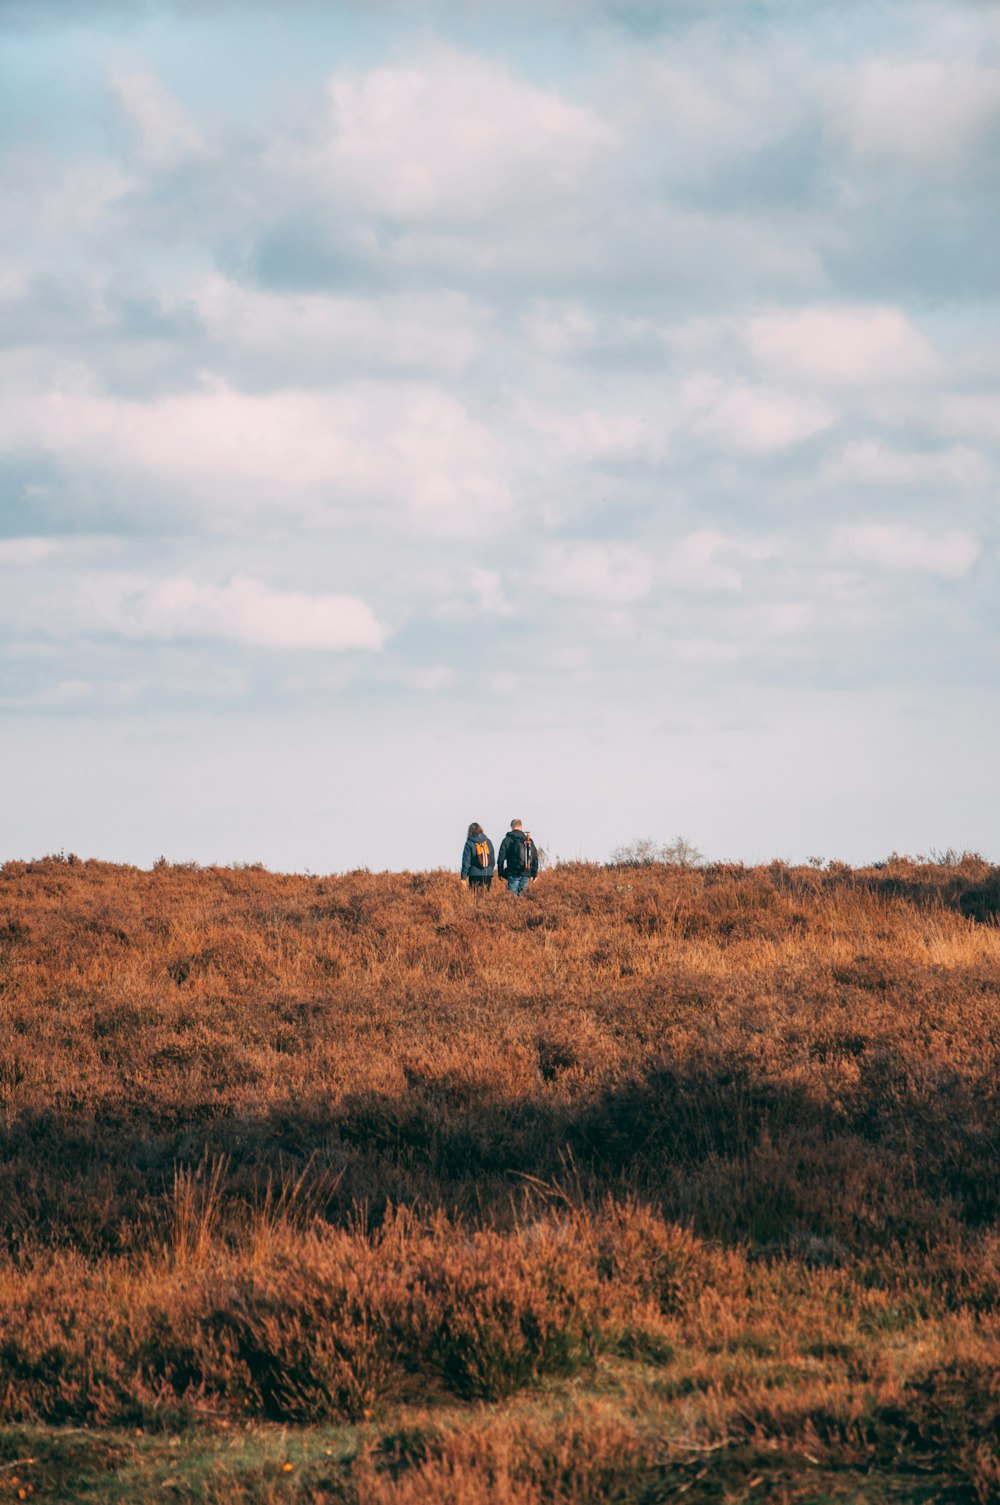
[657,1184]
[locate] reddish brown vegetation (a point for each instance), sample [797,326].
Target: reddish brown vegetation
[725,1143]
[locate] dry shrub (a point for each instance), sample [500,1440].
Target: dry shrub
[500,1313]
[659,1261]
[590,1454]
[322,1324]
[65,1342]
[304,1338]
[340,1323]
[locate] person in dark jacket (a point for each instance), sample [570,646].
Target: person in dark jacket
[479,860]
[518,858]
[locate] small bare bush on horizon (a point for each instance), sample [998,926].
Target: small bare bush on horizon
[645,852]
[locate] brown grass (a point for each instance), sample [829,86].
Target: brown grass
[674,1170]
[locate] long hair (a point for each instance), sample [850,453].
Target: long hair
[475,830]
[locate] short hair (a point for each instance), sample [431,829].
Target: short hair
[515,824]
[474,830]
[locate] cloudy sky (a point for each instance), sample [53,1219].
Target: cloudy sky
[586,409]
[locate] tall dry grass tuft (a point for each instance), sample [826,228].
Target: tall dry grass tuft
[195,1207]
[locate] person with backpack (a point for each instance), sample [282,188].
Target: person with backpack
[518,858]
[478,860]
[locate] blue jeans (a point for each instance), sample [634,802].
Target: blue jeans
[519,884]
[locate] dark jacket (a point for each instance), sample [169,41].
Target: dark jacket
[511,863]
[470,867]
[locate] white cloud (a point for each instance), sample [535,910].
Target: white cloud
[753,419]
[21,551]
[971,415]
[453,135]
[15,278]
[613,574]
[243,611]
[899,547]
[858,346]
[407,445]
[56,548]
[166,134]
[489,593]
[693,563]
[921,110]
[47,196]
[786,618]
[594,434]
[698,109]
[875,463]
[697,650]
[64,693]
[428,680]
[475,593]
[411,332]
[559,330]
[211,682]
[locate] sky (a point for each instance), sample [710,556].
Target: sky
[584,410]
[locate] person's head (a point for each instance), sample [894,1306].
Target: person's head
[475,831]
[515,825]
